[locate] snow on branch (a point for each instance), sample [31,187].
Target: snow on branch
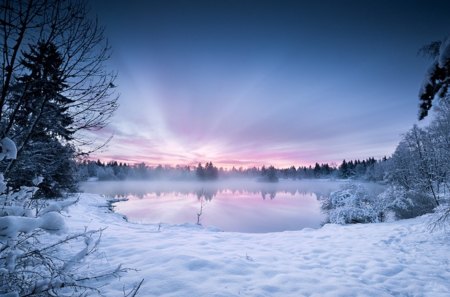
[8,149]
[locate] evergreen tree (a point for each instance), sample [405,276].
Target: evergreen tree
[211,172]
[199,171]
[272,174]
[292,172]
[269,174]
[344,170]
[42,124]
[317,170]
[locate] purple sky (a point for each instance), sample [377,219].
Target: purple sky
[265,82]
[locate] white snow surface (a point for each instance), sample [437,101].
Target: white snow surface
[8,149]
[402,258]
[11,226]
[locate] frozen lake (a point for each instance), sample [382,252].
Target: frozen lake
[232,205]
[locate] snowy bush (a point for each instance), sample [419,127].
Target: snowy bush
[33,262]
[404,203]
[351,204]
[442,216]
[8,149]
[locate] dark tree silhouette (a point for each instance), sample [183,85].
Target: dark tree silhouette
[54,86]
[43,125]
[83,53]
[209,172]
[437,78]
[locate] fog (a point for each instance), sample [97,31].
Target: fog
[208,189]
[119,189]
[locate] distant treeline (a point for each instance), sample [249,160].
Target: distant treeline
[369,169]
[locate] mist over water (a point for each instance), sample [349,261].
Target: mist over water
[241,205]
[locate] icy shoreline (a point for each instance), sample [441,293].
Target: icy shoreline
[388,259]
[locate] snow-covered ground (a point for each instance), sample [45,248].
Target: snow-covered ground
[388,259]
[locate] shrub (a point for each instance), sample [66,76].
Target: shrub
[351,204]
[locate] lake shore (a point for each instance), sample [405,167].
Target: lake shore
[386,259]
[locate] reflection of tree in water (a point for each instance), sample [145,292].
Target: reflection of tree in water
[139,195]
[271,194]
[208,191]
[292,192]
[207,194]
[200,212]
[203,196]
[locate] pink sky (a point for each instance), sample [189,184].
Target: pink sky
[266,83]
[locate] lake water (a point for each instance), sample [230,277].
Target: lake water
[240,206]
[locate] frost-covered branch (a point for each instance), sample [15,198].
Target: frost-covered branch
[29,265]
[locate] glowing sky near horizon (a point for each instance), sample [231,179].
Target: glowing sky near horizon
[248,83]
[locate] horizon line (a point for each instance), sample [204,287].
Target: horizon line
[227,167]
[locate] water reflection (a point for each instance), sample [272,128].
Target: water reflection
[271,194]
[208,195]
[141,189]
[244,206]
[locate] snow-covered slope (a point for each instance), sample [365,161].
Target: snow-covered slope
[388,259]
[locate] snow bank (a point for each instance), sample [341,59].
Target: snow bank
[11,226]
[387,259]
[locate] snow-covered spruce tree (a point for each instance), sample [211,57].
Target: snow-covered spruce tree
[43,124]
[52,63]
